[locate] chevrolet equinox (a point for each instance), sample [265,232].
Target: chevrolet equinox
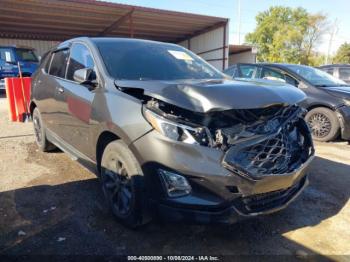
[169,135]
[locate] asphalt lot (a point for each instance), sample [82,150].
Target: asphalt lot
[50,205]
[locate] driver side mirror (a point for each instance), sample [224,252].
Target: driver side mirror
[85,76]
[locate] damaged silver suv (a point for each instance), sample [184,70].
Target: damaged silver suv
[169,135]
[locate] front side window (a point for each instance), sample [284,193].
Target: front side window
[271,74]
[26,55]
[248,71]
[329,70]
[59,63]
[231,71]
[80,57]
[146,60]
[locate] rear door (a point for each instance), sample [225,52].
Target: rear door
[45,86]
[344,74]
[76,101]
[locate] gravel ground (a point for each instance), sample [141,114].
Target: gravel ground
[50,205]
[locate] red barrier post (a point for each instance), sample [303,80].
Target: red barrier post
[11,99]
[17,86]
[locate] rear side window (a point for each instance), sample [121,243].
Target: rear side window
[344,73]
[59,63]
[80,58]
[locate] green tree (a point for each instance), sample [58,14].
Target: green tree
[343,54]
[285,34]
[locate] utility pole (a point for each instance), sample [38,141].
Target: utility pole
[239,22]
[334,32]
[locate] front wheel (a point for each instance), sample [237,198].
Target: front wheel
[323,123]
[123,184]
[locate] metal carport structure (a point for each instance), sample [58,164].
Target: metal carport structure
[57,20]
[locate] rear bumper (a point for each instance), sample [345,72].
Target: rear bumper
[344,119]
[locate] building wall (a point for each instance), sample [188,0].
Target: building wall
[244,57]
[40,46]
[208,41]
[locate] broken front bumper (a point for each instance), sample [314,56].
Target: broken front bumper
[240,209]
[218,193]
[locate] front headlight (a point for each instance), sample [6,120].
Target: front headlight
[177,131]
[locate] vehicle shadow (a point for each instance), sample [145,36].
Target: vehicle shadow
[72,218]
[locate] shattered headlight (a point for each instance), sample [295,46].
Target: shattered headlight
[177,131]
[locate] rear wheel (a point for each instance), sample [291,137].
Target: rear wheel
[40,133]
[323,123]
[123,184]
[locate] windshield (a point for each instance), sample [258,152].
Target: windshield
[26,55]
[146,60]
[315,76]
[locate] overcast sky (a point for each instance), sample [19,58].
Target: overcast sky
[337,10]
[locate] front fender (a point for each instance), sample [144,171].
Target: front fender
[120,114]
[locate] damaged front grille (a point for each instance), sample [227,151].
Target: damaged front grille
[269,156]
[256,142]
[282,145]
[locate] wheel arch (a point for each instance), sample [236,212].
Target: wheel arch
[309,108]
[103,140]
[32,106]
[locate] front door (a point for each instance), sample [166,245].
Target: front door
[77,101]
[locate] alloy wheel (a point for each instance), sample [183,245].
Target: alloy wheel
[37,129]
[117,186]
[320,125]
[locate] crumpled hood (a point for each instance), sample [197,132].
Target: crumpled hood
[339,91]
[216,95]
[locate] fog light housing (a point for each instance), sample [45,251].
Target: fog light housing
[175,184]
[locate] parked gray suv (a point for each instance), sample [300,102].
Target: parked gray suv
[168,134]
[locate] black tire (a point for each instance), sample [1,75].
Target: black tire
[40,133]
[123,184]
[323,123]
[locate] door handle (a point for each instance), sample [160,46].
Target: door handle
[60,90]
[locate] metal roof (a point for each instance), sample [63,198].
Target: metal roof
[64,19]
[236,49]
